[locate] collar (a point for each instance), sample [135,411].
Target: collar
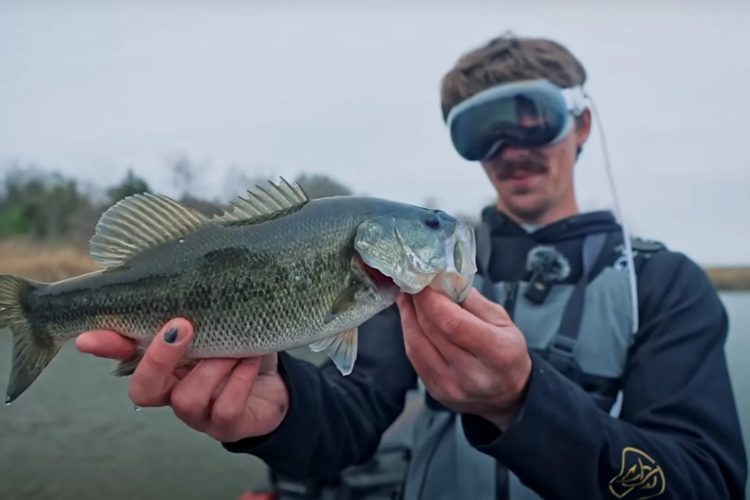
[575,226]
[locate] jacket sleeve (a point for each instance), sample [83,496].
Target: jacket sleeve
[678,434]
[335,421]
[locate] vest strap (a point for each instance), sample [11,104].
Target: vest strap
[561,353]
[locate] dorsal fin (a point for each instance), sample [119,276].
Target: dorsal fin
[264,204]
[140,222]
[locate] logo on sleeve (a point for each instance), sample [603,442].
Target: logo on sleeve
[640,476]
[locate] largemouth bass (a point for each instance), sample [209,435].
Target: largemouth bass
[275,271]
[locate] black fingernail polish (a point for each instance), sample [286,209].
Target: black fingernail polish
[171,336]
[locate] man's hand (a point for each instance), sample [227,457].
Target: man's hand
[228,399]
[471,357]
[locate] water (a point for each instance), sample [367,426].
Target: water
[738,350]
[76,434]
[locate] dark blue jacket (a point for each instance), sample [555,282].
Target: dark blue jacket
[678,425]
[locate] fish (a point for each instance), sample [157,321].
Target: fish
[274,271]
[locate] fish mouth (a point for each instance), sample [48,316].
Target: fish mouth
[457,278]
[380,280]
[453,278]
[403,270]
[403,278]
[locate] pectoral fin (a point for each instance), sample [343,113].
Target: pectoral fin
[346,300]
[127,366]
[341,348]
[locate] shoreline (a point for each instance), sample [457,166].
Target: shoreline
[50,262]
[729,278]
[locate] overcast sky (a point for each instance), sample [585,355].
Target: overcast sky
[351,90]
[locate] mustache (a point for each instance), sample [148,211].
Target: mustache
[532,165]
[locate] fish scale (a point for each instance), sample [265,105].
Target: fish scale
[238,298]
[275,272]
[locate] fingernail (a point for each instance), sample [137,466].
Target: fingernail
[170,337]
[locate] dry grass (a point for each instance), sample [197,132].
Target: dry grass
[48,262]
[730,278]
[44,262]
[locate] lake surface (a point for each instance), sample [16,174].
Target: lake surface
[76,435]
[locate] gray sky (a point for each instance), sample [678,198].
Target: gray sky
[351,90]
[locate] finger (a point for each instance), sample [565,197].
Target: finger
[424,357]
[485,309]
[182,371]
[453,323]
[154,377]
[230,405]
[269,363]
[450,351]
[105,344]
[192,398]
[185,367]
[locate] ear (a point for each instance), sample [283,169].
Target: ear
[583,127]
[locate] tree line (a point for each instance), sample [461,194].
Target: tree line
[44,205]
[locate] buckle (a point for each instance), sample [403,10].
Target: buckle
[563,346]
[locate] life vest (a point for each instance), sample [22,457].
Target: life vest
[583,329]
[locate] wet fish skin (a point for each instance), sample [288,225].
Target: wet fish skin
[248,289]
[251,283]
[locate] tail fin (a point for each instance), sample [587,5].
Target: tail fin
[32,350]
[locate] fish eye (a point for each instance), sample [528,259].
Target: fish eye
[432,221]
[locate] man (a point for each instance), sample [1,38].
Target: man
[548,383]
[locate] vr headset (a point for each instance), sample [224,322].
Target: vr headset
[530,113]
